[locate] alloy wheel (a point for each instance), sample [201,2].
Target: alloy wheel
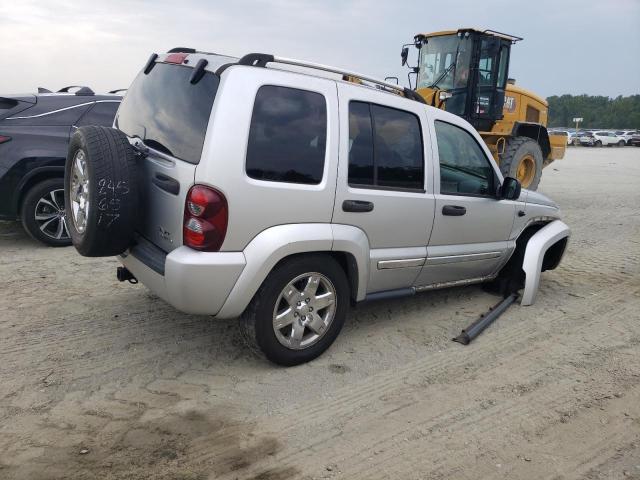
[79,192]
[304,310]
[50,217]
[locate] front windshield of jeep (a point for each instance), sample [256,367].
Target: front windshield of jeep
[444,62]
[167,112]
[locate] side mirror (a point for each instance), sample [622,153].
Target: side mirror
[510,189]
[404,55]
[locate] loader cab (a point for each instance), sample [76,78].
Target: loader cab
[465,72]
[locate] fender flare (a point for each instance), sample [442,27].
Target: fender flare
[535,251]
[535,131]
[35,176]
[276,243]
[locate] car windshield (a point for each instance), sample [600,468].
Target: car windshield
[167,112]
[444,62]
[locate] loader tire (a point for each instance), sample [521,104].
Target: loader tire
[522,159]
[100,191]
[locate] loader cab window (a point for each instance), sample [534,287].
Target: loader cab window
[464,167]
[485,64]
[502,66]
[445,62]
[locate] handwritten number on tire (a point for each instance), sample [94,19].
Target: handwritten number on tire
[109,200]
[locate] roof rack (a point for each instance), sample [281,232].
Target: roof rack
[82,91]
[513,38]
[261,60]
[118,90]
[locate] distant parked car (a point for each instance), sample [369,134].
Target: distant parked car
[572,138]
[635,140]
[625,135]
[34,139]
[600,138]
[585,138]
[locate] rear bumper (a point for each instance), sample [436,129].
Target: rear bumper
[191,281]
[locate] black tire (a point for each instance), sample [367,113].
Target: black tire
[576,142]
[256,323]
[598,144]
[112,191]
[621,143]
[511,277]
[42,213]
[516,149]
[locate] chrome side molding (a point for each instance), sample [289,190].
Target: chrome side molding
[402,263]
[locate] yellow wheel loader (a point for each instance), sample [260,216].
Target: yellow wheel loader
[466,72]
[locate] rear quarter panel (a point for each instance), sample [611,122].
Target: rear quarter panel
[255,205]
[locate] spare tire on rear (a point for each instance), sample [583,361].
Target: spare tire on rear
[100,191]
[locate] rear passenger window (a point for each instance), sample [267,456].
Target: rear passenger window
[102,113]
[385,147]
[287,137]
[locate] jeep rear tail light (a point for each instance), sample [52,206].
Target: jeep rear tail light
[206,216]
[4,139]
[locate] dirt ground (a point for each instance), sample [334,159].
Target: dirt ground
[101,380]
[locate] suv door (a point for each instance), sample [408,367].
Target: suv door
[384,185]
[471,228]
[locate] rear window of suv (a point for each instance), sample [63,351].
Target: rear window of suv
[167,112]
[287,136]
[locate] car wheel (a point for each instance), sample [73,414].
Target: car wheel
[100,191]
[597,144]
[42,213]
[298,311]
[621,143]
[576,143]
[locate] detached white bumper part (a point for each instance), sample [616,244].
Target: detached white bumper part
[534,254]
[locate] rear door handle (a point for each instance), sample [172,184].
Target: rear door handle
[357,206]
[167,184]
[454,210]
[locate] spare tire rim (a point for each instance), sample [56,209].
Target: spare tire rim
[304,310]
[79,192]
[49,215]
[526,170]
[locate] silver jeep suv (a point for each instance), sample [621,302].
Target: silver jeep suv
[281,192]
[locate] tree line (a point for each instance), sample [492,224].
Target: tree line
[597,111]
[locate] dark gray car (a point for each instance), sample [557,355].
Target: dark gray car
[34,138]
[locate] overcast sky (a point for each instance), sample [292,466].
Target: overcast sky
[570,46]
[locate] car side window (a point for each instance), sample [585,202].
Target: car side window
[385,148]
[101,113]
[464,167]
[287,137]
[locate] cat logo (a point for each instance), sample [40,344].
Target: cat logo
[510,104]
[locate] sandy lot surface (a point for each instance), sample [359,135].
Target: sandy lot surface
[102,380]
